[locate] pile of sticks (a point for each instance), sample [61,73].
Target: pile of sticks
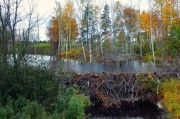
[112,89]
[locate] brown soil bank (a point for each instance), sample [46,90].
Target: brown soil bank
[108,91]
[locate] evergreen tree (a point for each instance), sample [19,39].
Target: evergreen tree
[95,22]
[86,24]
[86,28]
[105,22]
[118,22]
[174,42]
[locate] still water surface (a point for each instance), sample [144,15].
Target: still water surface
[84,67]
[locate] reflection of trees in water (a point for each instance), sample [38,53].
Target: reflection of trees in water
[54,62]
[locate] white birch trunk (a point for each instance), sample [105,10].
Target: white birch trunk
[151,32]
[102,53]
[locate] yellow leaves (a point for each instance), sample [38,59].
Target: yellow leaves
[169,16]
[145,21]
[73,53]
[68,10]
[171,93]
[68,24]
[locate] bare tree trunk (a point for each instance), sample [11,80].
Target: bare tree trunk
[102,52]
[151,33]
[177,8]
[84,52]
[90,52]
[113,30]
[88,38]
[4,9]
[79,17]
[67,43]
[60,35]
[70,38]
[66,49]
[5,49]
[140,40]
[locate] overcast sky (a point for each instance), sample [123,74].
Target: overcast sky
[46,8]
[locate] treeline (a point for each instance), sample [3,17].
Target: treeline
[152,35]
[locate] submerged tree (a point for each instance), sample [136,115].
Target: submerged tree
[13,18]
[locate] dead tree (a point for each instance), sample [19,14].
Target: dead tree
[4,31]
[13,17]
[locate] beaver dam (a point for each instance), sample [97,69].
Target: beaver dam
[112,93]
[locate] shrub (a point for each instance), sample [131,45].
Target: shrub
[171,92]
[71,103]
[37,93]
[76,104]
[147,83]
[7,111]
[33,110]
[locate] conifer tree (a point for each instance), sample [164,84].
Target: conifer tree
[105,22]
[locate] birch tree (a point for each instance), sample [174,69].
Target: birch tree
[60,26]
[79,17]
[151,32]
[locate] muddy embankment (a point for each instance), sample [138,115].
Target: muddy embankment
[110,92]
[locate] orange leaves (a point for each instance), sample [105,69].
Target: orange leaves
[145,21]
[53,29]
[68,24]
[167,13]
[130,16]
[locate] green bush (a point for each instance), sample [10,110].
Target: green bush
[36,93]
[147,83]
[33,110]
[76,104]
[71,103]
[7,111]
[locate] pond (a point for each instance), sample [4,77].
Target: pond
[85,67]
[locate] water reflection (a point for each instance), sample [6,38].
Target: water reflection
[83,67]
[132,67]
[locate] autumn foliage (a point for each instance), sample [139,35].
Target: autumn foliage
[63,28]
[171,89]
